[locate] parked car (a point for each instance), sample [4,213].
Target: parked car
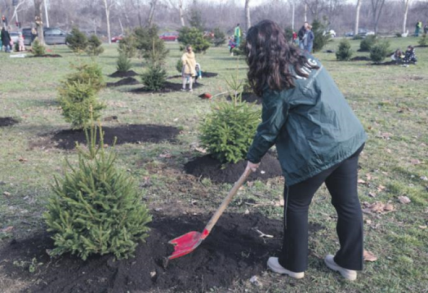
[332,33]
[116,38]
[53,36]
[14,36]
[172,37]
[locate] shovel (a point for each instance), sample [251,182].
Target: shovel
[188,242]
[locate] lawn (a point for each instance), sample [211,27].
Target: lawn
[391,102]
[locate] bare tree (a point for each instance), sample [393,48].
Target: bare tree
[357,17]
[406,11]
[153,4]
[179,7]
[108,5]
[18,8]
[38,19]
[247,14]
[377,7]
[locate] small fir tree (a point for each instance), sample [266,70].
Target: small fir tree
[423,41]
[149,44]
[195,19]
[94,47]
[193,37]
[321,39]
[240,51]
[87,73]
[379,51]
[179,66]
[96,208]
[128,45]
[123,64]
[227,133]
[77,41]
[38,49]
[219,37]
[344,53]
[154,78]
[367,43]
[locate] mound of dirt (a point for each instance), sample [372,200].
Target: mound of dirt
[169,87]
[47,56]
[133,133]
[129,73]
[360,58]
[125,81]
[204,75]
[208,167]
[249,98]
[388,63]
[7,121]
[234,251]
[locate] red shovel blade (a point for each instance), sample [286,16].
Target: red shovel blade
[186,243]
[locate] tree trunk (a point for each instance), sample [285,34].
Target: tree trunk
[38,19]
[306,13]
[377,7]
[247,14]
[180,9]
[293,11]
[357,18]
[406,10]
[107,10]
[153,4]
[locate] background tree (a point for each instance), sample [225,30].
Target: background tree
[153,4]
[108,5]
[247,14]
[406,11]
[38,19]
[357,17]
[377,7]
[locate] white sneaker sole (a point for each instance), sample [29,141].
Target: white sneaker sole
[344,272]
[283,271]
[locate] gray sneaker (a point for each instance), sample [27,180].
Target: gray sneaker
[347,274]
[274,265]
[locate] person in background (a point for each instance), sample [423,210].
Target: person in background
[4,21]
[318,139]
[21,43]
[410,55]
[6,39]
[398,56]
[189,68]
[33,34]
[426,28]
[198,70]
[232,45]
[309,39]
[301,35]
[418,28]
[237,34]
[1,42]
[295,39]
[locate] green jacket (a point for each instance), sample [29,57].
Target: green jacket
[312,126]
[237,32]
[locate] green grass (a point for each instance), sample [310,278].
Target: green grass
[391,101]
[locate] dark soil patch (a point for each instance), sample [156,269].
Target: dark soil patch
[47,56]
[388,63]
[125,81]
[234,251]
[134,133]
[249,98]
[360,58]
[208,167]
[129,73]
[204,75]
[169,87]
[7,121]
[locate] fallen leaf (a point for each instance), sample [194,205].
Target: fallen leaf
[404,199]
[389,207]
[6,193]
[22,160]
[380,188]
[368,176]
[386,135]
[279,203]
[361,181]
[388,151]
[165,155]
[250,183]
[415,162]
[369,256]
[368,221]
[201,150]
[423,227]
[7,229]
[372,194]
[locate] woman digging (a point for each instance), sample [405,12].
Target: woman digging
[189,68]
[318,139]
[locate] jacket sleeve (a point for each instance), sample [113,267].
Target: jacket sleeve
[274,115]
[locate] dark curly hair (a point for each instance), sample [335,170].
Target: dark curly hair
[271,58]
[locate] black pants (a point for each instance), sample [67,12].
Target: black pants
[341,181]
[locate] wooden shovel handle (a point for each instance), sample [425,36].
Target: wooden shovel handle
[226,201]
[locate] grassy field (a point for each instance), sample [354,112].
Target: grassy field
[391,101]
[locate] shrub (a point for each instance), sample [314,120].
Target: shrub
[123,64]
[87,73]
[219,37]
[77,41]
[320,39]
[228,131]
[37,48]
[94,47]
[128,46]
[179,66]
[357,37]
[398,35]
[423,41]
[288,34]
[16,47]
[150,45]
[193,37]
[96,208]
[379,51]
[76,100]
[240,51]
[154,78]
[367,43]
[344,53]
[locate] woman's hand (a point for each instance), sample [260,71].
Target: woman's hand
[253,167]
